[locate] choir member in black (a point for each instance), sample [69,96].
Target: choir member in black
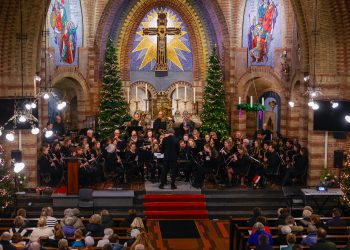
[246,144]
[192,146]
[206,139]
[208,165]
[90,137]
[198,140]
[47,167]
[240,164]
[136,122]
[149,137]
[67,147]
[58,127]
[159,124]
[121,145]
[238,138]
[133,168]
[170,148]
[135,138]
[266,133]
[299,168]
[185,138]
[214,141]
[187,126]
[183,160]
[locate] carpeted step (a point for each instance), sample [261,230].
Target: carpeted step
[202,214]
[168,206]
[174,198]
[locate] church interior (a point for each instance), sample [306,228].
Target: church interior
[174,124]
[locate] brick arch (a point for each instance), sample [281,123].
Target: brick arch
[142,84]
[193,24]
[172,87]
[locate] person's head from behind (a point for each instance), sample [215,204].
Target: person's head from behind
[307,214]
[256,211]
[114,238]
[139,247]
[104,212]
[315,219]
[289,220]
[258,227]
[6,236]
[321,233]
[291,239]
[78,234]
[263,240]
[95,219]
[107,247]
[19,222]
[132,212]
[89,241]
[49,211]
[34,246]
[108,232]
[42,221]
[262,220]
[137,223]
[16,237]
[283,212]
[63,244]
[22,212]
[336,213]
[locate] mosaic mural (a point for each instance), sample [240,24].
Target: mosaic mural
[65,30]
[262,31]
[144,50]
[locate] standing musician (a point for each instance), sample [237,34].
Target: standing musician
[47,166]
[187,125]
[240,164]
[159,124]
[170,148]
[136,121]
[266,133]
[133,168]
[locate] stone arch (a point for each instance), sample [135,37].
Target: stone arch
[172,87]
[142,84]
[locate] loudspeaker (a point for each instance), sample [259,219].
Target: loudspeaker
[338,158]
[16,155]
[339,135]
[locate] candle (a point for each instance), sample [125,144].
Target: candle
[239,100]
[251,101]
[136,93]
[185,93]
[146,91]
[128,94]
[262,101]
[194,95]
[177,91]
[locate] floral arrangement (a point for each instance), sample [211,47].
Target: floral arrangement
[328,179]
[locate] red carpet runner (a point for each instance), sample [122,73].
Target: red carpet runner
[171,206]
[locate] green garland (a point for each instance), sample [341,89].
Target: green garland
[247,107]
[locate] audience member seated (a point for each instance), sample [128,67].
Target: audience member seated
[23,213]
[106,219]
[68,228]
[42,231]
[107,247]
[89,242]
[282,213]
[256,213]
[131,216]
[336,220]
[34,246]
[108,232]
[290,226]
[19,227]
[17,241]
[58,232]
[139,247]
[63,244]
[259,230]
[138,223]
[291,239]
[74,213]
[50,220]
[322,242]
[142,239]
[94,228]
[263,220]
[5,241]
[133,234]
[264,243]
[114,241]
[317,222]
[305,221]
[78,239]
[311,237]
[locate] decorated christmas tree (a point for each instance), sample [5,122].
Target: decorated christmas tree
[7,186]
[214,116]
[113,107]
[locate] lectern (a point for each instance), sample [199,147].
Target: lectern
[72,175]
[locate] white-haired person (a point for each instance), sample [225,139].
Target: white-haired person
[108,232]
[259,230]
[5,241]
[89,242]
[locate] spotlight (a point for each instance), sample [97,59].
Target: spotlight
[0,132]
[10,136]
[313,94]
[37,77]
[315,106]
[311,103]
[306,78]
[61,105]
[48,133]
[28,106]
[22,119]
[347,118]
[335,105]
[33,105]
[291,104]
[19,166]
[46,96]
[35,131]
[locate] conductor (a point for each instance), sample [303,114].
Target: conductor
[170,148]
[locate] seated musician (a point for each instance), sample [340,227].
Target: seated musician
[149,137]
[113,161]
[197,139]
[90,137]
[135,122]
[273,162]
[67,147]
[225,158]
[266,133]
[208,163]
[156,164]
[183,161]
[135,138]
[299,166]
[264,157]
[55,154]
[159,124]
[192,146]
[133,167]
[84,168]
[92,168]
[185,138]
[240,164]
[187,126]
[121,145]
[288,153]
[47,166]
